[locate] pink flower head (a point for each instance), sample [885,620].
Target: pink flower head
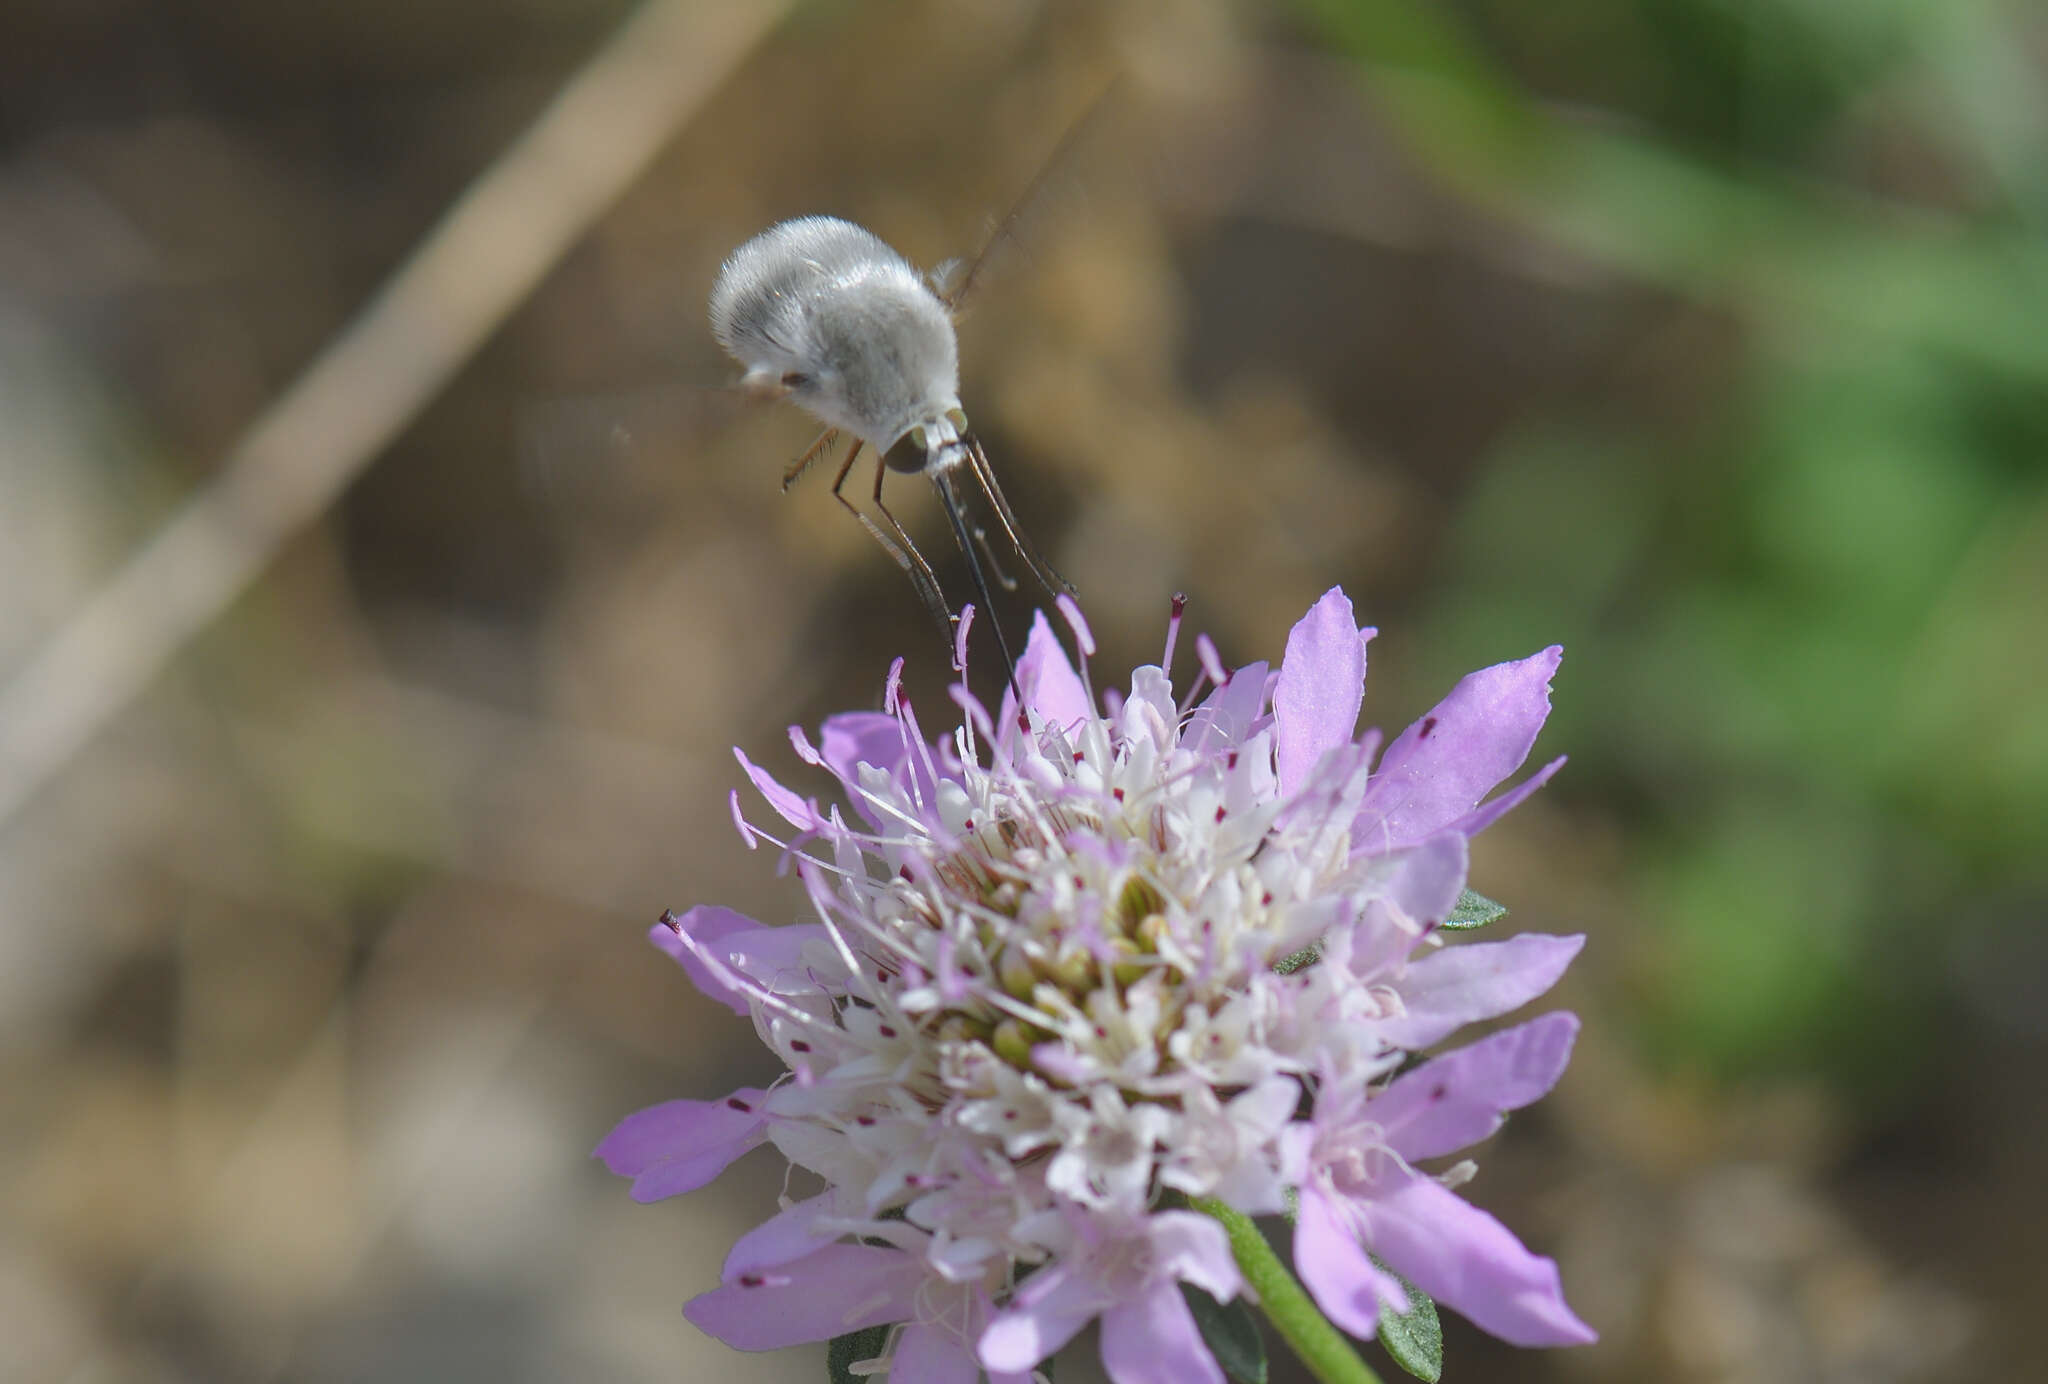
[1044,999]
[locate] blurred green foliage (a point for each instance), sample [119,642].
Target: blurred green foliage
[1808,630]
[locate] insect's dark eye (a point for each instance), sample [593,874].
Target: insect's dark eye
[908,452]
[795,379]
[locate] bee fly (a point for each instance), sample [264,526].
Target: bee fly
[823,313]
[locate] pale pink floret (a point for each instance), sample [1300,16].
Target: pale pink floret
[1320,688]
[827,1293]
[1363,1193]
[1435,773]
[1131,1279]
[680,1145]
[784,1289]
[1475,981]
[744,952]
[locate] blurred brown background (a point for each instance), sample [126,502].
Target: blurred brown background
[1707,338]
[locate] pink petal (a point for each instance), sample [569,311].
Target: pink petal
[1070,611]
[707,926]
[1153,1339]
[1344,1281]
[1466,1259]
[771,957]
[1429,879]
[789,1234]
[1321,686]
[1049,1311]
[1415,889]
[792,809]
[927,1356]
[1480,818]
[1470,981]
[839,1288]
[680,1145]
[1051,687]
[1190,1246]
[1226,716]
[1439,768]
[854,738]
[1459,1098]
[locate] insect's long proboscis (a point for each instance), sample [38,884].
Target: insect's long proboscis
[949,500]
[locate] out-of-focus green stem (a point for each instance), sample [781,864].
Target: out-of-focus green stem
[1322,1347]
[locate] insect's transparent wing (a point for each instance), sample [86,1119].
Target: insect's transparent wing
[1084,147]
[571,443]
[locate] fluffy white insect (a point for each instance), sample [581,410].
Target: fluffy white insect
[823,313]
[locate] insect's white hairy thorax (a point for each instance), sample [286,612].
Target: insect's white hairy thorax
[825,310]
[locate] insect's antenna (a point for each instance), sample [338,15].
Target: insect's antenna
[985,477]
[949,500]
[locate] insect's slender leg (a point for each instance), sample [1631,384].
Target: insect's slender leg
[921,575]
[821,447]
[903,536]
[949,500]
[845,467]
[919,571]
[985,475]
[927,591]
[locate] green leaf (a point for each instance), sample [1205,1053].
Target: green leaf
[1415,1339]
[1473,911]
[1231,1333]
[849,1350]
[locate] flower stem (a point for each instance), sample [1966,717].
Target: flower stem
[1322,1347]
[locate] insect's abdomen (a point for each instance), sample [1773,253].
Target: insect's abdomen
[825,301]
[764,282]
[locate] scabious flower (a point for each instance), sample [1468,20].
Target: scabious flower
[1055,991]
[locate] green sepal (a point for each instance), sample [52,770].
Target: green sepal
[1287,965]
[1231,1332]
[1473,911]
[844,1352]
[1415,1338]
